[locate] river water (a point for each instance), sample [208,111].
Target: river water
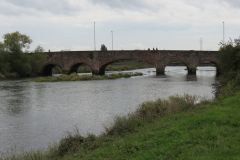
[35,115]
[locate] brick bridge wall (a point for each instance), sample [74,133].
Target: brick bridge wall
[99,60]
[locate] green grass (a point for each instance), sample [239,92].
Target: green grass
[75,77]
[127,65]
[161,130]
[117,66]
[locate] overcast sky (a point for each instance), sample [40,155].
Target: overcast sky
[137,24]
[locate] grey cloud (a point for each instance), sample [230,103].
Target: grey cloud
[234,3]
[199,4]
[140,4]
[51,6]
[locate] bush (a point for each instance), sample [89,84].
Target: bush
[71,143]
[21,65]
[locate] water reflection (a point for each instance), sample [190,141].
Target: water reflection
[14,97]
[204,74]
[48,110]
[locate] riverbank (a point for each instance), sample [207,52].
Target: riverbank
[76,77]
[174,129]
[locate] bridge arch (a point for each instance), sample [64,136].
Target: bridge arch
[48,69]
[103,67]
[210,64]
[182,64]
[75,68]
[162,66]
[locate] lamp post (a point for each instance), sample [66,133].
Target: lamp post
[94,35]
[112,38]
[201,44]
[223,32]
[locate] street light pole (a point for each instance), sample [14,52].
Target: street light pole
[94,36]
[223,32]
[112,39]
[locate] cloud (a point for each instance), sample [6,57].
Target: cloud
[233,3]
[124,4]
[30,6]
[212,3]
[149,22]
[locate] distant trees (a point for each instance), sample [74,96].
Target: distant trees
[103,47]
[39,49]
[15,61]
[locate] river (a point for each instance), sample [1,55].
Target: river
[35,115]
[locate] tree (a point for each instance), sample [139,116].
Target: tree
[15,42]
[39,49]
[103,47]
[229,68]
[18,63]
[230,58]
[2,48]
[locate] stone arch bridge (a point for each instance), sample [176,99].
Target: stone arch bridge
[97,61]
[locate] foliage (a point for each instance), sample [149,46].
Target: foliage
[103,47]
[230,59]
[1,47]
[15,42]
[14,62]
[76,77]
[230,68]
[39,49]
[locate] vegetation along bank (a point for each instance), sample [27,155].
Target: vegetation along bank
[76,77]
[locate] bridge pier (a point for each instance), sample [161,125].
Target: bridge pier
[192,71]
[100,72]
[160,71]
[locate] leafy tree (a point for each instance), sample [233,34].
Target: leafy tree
[15,42]
[18,63]
[36,60]
[103,47]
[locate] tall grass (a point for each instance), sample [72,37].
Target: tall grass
[34,155]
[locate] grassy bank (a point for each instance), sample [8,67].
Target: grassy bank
[172,129]
[75,77]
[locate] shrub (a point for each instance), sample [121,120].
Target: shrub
[70,143]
